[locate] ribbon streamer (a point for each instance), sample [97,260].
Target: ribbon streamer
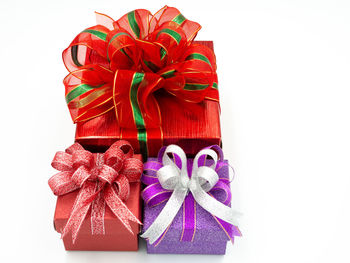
[103,179]
[169,180]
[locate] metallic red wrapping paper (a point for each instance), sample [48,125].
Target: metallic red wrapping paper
[192,128]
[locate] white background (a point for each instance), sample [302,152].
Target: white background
[284,84]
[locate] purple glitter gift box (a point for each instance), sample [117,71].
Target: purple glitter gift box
[193,230]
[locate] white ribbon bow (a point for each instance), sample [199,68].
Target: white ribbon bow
[203,179]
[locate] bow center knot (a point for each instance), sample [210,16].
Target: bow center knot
[185,182]
[101,171]
[107,174]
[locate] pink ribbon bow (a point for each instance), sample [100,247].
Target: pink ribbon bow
[103,179]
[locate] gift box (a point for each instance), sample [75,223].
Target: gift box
[209,237]
[192,127]
[117,237]
[143,78]
[97,227]
[206,233]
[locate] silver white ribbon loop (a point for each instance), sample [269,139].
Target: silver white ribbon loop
[203,179]
[169,177]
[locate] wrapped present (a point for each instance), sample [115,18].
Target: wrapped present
[187,203]
[144,79]
[98,204]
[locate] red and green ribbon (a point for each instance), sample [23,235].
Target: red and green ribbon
[119,65]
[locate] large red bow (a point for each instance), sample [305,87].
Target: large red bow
[119,65]
[103,179]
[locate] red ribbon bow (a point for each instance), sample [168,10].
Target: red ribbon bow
[119,65]
[103,179]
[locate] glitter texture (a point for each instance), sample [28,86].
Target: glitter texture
[209,237]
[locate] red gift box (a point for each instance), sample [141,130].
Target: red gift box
[109,223]
[117,237]
[192,127]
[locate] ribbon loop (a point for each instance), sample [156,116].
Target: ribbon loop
[107,174]
[73,148]
[82,158]
[62,162]
[204,153]
[169,176]
[80,175]
[176,152]
[132,169]
[125,146]
[113,157]
[207,178]
[61,183]
[123,187]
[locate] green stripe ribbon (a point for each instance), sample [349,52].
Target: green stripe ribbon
[151,66]
[114,37]
[179,19]
[119,34]
[168,74]
[195,86]
[78,91]
[162,53]
[176,36]
[133,23]
[138,118]
[198,56]
[96,33]
[74,49]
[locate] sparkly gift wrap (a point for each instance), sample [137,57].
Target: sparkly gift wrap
[116,237]
[192,127]
[209,237]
